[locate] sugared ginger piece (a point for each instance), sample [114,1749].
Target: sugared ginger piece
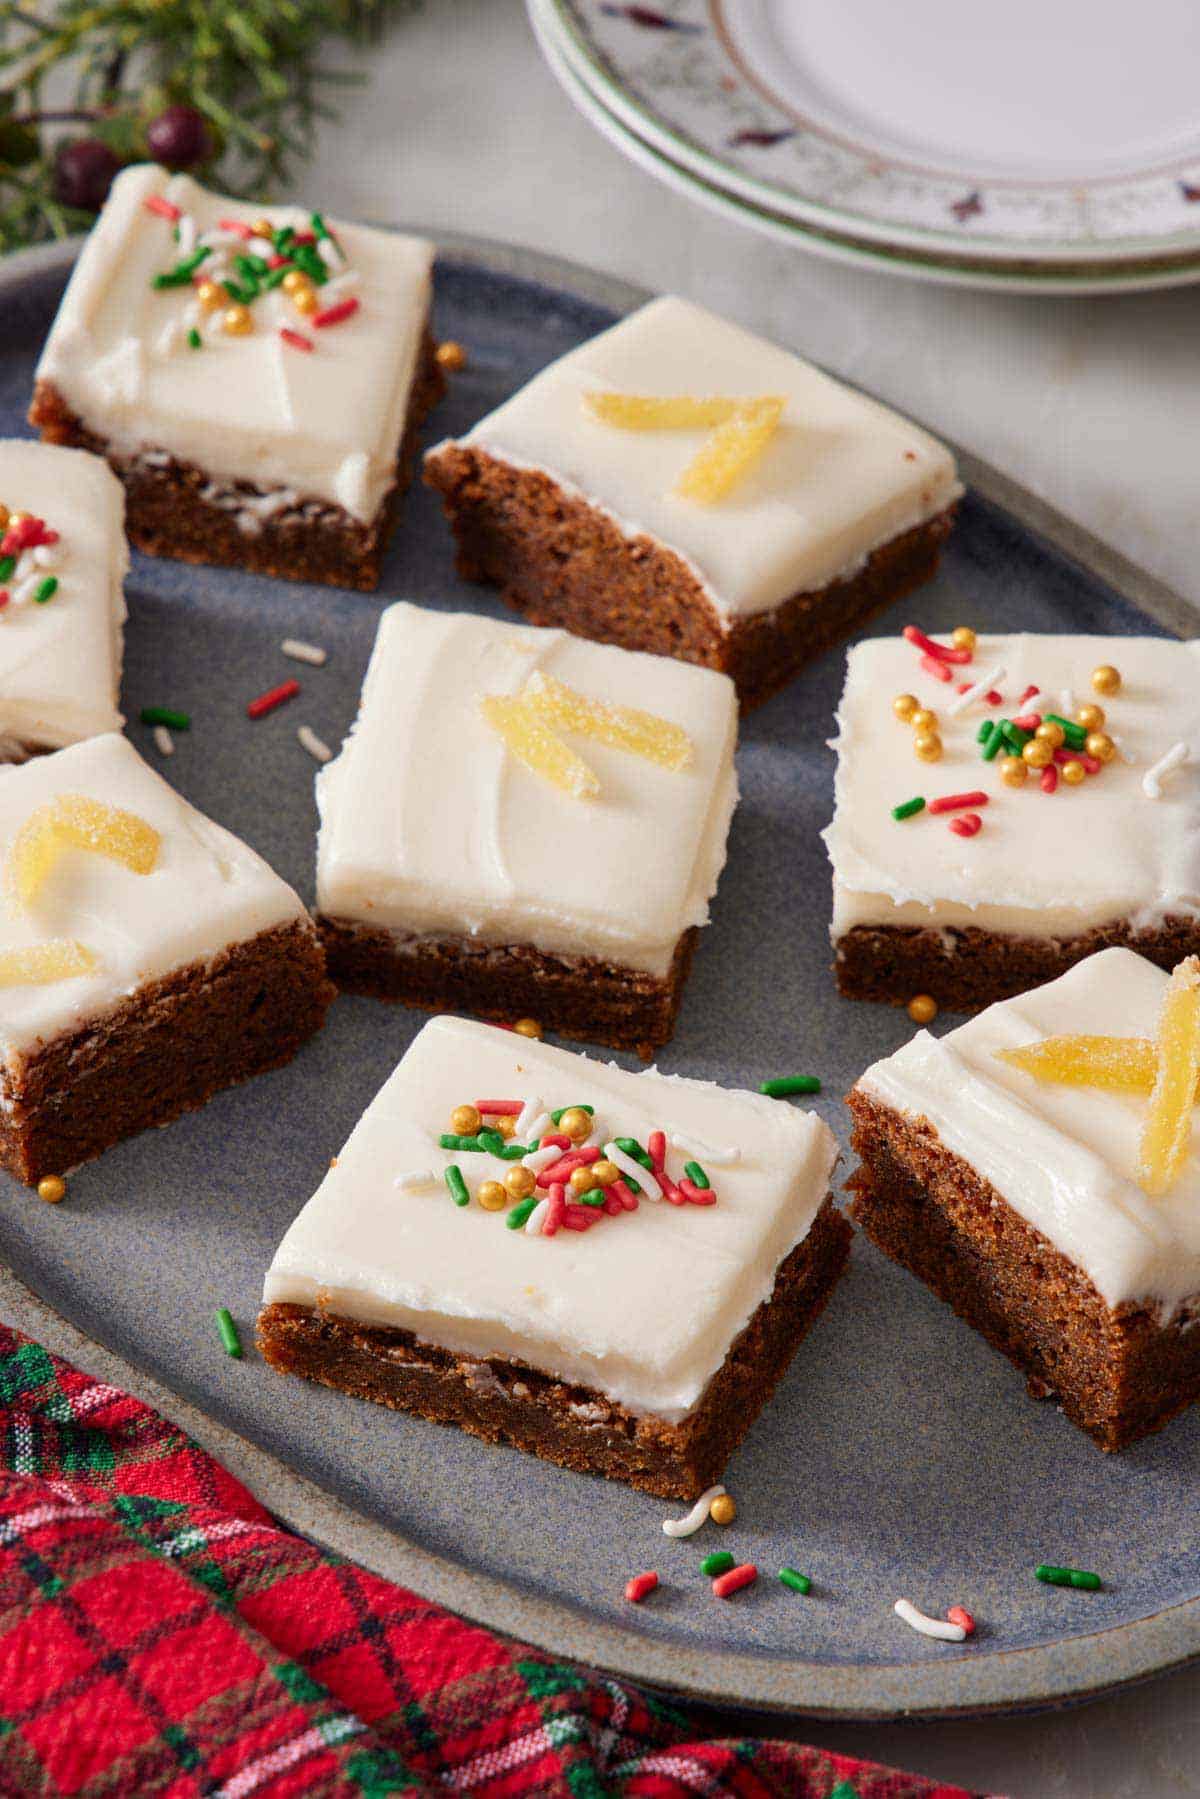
[541,750]
[73,821]
[621,727]
[1167,1131]
[660,412]
[1118,1064]
[730,452]
[57,960]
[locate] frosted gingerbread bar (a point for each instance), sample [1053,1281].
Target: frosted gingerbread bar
[609,1270]
[682,486]
[256,376]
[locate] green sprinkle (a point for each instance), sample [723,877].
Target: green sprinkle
[492,1141]
[1067,1577]
[318,224]
[512,1152]
[1075,734]
[230,1341]
[250,266]
[7,566]
[719,1562]
[282,238]
[595,1196]
[697,1176]
[993,741]
[799,1583]
[165,715]
[908,808]
[274,277]
[46,590]
[633,1148]
[984,731]
[457,1185]
[790,1083]
[1016,740]
[243,296]
[183,271]
[520,1213]
[194,338]
[557,1116]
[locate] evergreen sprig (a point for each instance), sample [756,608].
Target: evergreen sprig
[255,69]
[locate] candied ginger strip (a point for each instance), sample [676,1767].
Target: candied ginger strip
[660,412]
[1118,1064]
[1167,1131]
[72,821]
[57,960]
[731,451]
[621,727]
[540,750]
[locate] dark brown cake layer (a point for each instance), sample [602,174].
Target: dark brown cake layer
[577,1427]
[1117,1374]
[170,509]
[165,1050]
[965,970]
[562,562]
[575,996]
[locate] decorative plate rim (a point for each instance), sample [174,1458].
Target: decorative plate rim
[1051,1674]
[595,68]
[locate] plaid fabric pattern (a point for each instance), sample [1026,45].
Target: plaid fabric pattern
[160,1635]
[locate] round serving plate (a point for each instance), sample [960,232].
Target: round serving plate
[1021,133]
[899,1457]
[1076,279]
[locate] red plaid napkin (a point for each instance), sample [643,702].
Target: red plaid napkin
[160,1635]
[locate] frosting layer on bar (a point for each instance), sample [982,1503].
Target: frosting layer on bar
[205,891]
[430,824]
[60,662]
[643,1306]
[325,425]
[841,476]
[1043,865]
[1063,1157]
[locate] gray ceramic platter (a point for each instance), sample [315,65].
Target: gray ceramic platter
[899,1457]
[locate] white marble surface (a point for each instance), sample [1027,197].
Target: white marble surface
[1090,402]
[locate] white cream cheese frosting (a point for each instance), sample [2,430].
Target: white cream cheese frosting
[429,824]
[643,1307]
[1043,865]
[1063,1157]
[841,476]
[60,662]
[324,425]
[207,890]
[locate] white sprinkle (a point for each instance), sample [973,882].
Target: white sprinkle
[169,338]
[22,594]
[1127,756]
[1066,700]
[1175,757]
[627,1165]
[928,1627]
[537,1159]
[531,1113]
[164,743]
[316,746]
[411,1178]
[299,651]
[328,251]
[977,690]
[689,1524]
[692,1146]
[339,286]
[533,1224]
[218,236]
[258,246]
[46,555]
[25,566]
[186,227]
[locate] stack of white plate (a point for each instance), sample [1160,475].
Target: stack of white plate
[1045,146]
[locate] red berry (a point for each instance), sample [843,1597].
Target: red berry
[180,138]
[83,173]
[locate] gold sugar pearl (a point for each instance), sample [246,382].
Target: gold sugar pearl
[505,1127]
[1106,679]
[1037,753]
[465,1121]
[604,1173]
[922,1008]
[492,1196]
[963,638]
[904,705]
[529,1027]
[295,281]
[307,301]
[210,295]
[723,1509]
[3,517]
[1100,745]
[16,519]
[1090,717]
[576,1124]
[1072,773]
[928,747]
[451,357]
[236,321]
[580,1181]
[1013,771]
[52,1188]
[263,228]
[1049,732]
[519,1181]
[923,719]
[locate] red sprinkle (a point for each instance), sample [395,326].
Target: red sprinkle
[623,1191]
[559,1139]
[697,1196]
[932,666]
[277,696]
[967,824]
[1029,721]
[671,1192]
[656,1143]
[297,339]
[333,315]
[305,237]
[942,651]
[1028,695]
[579,1218]
[735,1580]
[499,1108]
[955,802]
[556,1210]
[236,226]
[3,597]
[1064,755]
[612,1204]
[276,261]
[991,696]
[166,209]
[637,1588]
[563,1169]
[959,1615]
[1049,779]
